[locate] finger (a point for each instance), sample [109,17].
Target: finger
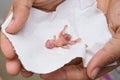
[113,17]
[103,5]
[26,73]
[75,61]
[72,72]
[47,5]
[21,9]
[7,47]
[106,70]
[103,57]
[13,66]
[109,68]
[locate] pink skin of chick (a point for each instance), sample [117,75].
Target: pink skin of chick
[64,40]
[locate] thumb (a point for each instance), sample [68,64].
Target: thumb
[21,9]
[107,55]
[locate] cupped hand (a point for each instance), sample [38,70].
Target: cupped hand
[21,9]
[74,70]
[110,53]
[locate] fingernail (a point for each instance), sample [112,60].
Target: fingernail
[95,72]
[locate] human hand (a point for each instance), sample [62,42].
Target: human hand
[21,9]
[74,70]
[111,51]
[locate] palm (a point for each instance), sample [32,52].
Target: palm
[112,12]
[114,17]
[47,5]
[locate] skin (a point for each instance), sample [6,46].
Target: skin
[64,40]
[13,65]
[111,51]
[73,70]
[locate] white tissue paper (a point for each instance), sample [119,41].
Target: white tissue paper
[84,20]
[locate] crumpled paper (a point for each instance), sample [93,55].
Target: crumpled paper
[84,20]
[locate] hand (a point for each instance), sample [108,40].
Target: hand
[71,71]
[111,51]
[21,9]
